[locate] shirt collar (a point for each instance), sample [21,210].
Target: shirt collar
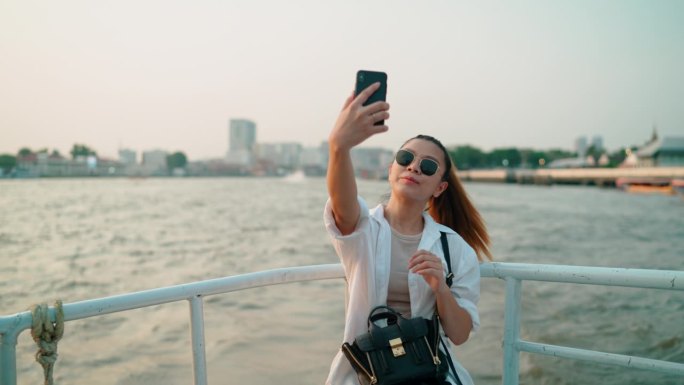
[431,231]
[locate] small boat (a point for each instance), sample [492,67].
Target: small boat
[645,185]
[678,186]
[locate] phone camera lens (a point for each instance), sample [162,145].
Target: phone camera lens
[361,77]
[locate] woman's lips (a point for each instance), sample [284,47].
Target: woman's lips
[409,179]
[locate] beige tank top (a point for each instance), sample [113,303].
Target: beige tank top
[403,248]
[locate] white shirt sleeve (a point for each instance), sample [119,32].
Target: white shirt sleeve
[352,246]
[466,284]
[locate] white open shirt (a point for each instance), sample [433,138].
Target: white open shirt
[365,255]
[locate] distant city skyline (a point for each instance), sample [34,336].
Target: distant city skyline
[579,145]
[168,75]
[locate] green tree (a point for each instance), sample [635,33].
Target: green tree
[467,157]
[7,163]
[532,158]
[554,154]
[81,150]
[176,160]
[506,157]
[595,152]
[619,156]
[25,151]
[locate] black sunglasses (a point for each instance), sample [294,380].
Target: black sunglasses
[427,166]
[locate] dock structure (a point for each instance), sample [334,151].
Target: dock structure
[581,176]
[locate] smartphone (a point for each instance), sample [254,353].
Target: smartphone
[366,78]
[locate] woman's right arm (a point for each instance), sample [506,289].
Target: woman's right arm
[354,125]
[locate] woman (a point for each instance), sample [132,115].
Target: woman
[392,254]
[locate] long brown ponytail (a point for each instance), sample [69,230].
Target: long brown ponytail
[454,209]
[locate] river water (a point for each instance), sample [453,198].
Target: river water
[76,239]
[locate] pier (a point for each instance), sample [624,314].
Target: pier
[581,176]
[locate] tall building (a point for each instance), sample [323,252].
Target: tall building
[371,162]
[127,156]
[241,142]
[314,160]
[581,147]
[242,135]
[283,155]
[597,143]
[154,162]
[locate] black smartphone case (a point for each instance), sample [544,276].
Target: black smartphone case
[365,79]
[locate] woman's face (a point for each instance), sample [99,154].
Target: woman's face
[411,180]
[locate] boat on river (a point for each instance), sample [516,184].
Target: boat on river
[678,186]
[645,185]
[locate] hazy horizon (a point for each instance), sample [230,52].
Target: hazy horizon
[170,75]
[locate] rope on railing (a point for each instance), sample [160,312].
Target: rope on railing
[47,335]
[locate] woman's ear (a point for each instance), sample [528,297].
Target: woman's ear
[440,189]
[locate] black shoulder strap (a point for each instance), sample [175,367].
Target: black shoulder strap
[449,281]
[447,257]
[451,363]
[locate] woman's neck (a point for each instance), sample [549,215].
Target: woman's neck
[405,217]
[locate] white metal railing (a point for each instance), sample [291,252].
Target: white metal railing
[513,274]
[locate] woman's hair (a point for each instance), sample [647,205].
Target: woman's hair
[454,209]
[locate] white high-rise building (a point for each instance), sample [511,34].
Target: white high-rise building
[241,141]
[371,162]
[314,160]
[128,157]
[154,161]
[581,147]
[597,143]
[242,135]
[285,155]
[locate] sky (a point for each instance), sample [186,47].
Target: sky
[171,74]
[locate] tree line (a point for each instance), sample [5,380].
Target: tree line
[470,157]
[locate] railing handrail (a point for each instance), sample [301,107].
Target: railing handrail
[135,300]
[513,273]
[589,275]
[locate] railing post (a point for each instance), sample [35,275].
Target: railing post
[511,364]
[8,359]
[199,362]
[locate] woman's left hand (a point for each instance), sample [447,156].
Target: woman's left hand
[429,266]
